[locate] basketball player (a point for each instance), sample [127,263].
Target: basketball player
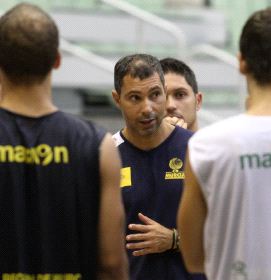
[61,214]
[228,175]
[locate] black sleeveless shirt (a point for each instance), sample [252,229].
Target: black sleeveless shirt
[152,184]
[49,196]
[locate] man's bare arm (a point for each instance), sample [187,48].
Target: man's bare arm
[191,218]
[113,262]
[150,237]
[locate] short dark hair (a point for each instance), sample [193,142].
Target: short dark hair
[140,66]
[28,43]
[255,45]
[172,65]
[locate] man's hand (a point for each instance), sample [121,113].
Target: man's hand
[176,121]
[151,237]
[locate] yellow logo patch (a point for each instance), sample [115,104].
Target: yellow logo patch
[175,164]
[125,177]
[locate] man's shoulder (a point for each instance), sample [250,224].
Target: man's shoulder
[218,136]
[221,129]
[78,125]
[118,139]
[78,121]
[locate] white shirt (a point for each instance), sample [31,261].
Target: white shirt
[232,162]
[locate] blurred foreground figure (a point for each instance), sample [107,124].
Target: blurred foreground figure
[225,209]
[61,214]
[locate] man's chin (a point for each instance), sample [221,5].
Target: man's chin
[147,132]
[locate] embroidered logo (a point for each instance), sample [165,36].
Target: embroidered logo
[175,164]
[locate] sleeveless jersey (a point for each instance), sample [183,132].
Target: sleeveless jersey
[152,183]
[49,197]
[232,162]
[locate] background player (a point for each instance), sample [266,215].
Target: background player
[183,96]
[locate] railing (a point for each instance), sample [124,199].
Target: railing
[180,37]
[152,19]
[213,52]
[222,56]
[86,55]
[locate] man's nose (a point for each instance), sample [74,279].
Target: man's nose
[147,106]
[170,106]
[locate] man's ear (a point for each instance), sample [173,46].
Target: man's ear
[116,98]
[57,61]
[242,64]
[198,100]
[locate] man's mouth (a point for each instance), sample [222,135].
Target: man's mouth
[147,122]
[179,116]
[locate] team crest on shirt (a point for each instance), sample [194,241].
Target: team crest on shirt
[176,173]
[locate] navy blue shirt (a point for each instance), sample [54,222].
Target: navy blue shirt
[152,183]
[49,196]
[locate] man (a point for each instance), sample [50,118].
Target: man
[57,186]
[152,152]
[228,176]
[183,97]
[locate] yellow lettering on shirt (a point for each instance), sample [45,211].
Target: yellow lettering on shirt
[47,276]
[42,154]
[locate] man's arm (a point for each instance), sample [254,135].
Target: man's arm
[191,218]
[113,262]
[151,237]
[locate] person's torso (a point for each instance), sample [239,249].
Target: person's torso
[232,161]
[152,183]
[49,198]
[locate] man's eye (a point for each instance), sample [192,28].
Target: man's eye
[179,95]
[155,93]
[134,98]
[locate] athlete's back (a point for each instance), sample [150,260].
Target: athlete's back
[233,171]
[49,169]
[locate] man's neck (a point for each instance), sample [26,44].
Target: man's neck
[31,100]
[259,100]
[194,126]
[151,141]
